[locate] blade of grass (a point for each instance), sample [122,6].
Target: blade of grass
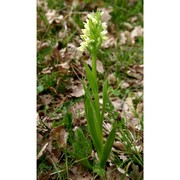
[55,167]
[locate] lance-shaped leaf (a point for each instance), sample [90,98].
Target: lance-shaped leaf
[93,85]
[93,123]
[105,99]
[107,146]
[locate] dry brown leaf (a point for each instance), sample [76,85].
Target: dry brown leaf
[133,122]
[117,103]
[78,172]
[99,65]
[136,32]
[39,138]
[128,109]
[106,16]
[119,145]
[123,157]
[110,42]
[133,19]
[111,79]
[44,176]
[139,68]
[128,26]
[46,99]
[46,70]
[139,108]
[124,84]
[129,102]
[78,91]
[121,170]
[135,74]
[127,37]
[60,135]
[112,173]
[51,16]
[123,38]
[64,65]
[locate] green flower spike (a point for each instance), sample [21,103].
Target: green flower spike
[94,32]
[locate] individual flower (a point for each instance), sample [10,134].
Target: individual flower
[94,32]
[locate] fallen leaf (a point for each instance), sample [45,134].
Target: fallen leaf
[51,16]
[117,103]
[46,70]
[138,68]
[134,74]
[123,157]
[133,19]
[64,65]
[60,135]
[110,42]
[124,84]
[123,38]
[112,173]
[128,26]
[139,108]
[44,176]
[111,79]
[121,170]
[78,91]
[99,65]
[136,32]
[106,16]
[119,145]
[46,99]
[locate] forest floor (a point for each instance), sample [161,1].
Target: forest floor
[60,94]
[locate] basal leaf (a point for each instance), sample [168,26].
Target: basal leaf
[108,145]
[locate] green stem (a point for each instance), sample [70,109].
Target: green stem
[94,65]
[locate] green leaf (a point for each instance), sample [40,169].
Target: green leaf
[95,131]
[96,112]
[108,145]
[105,99]
[93,84]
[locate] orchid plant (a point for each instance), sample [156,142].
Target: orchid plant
[94,34]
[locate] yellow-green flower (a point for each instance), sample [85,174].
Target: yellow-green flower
[94,32]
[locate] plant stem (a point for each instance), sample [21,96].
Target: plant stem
[94,65]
